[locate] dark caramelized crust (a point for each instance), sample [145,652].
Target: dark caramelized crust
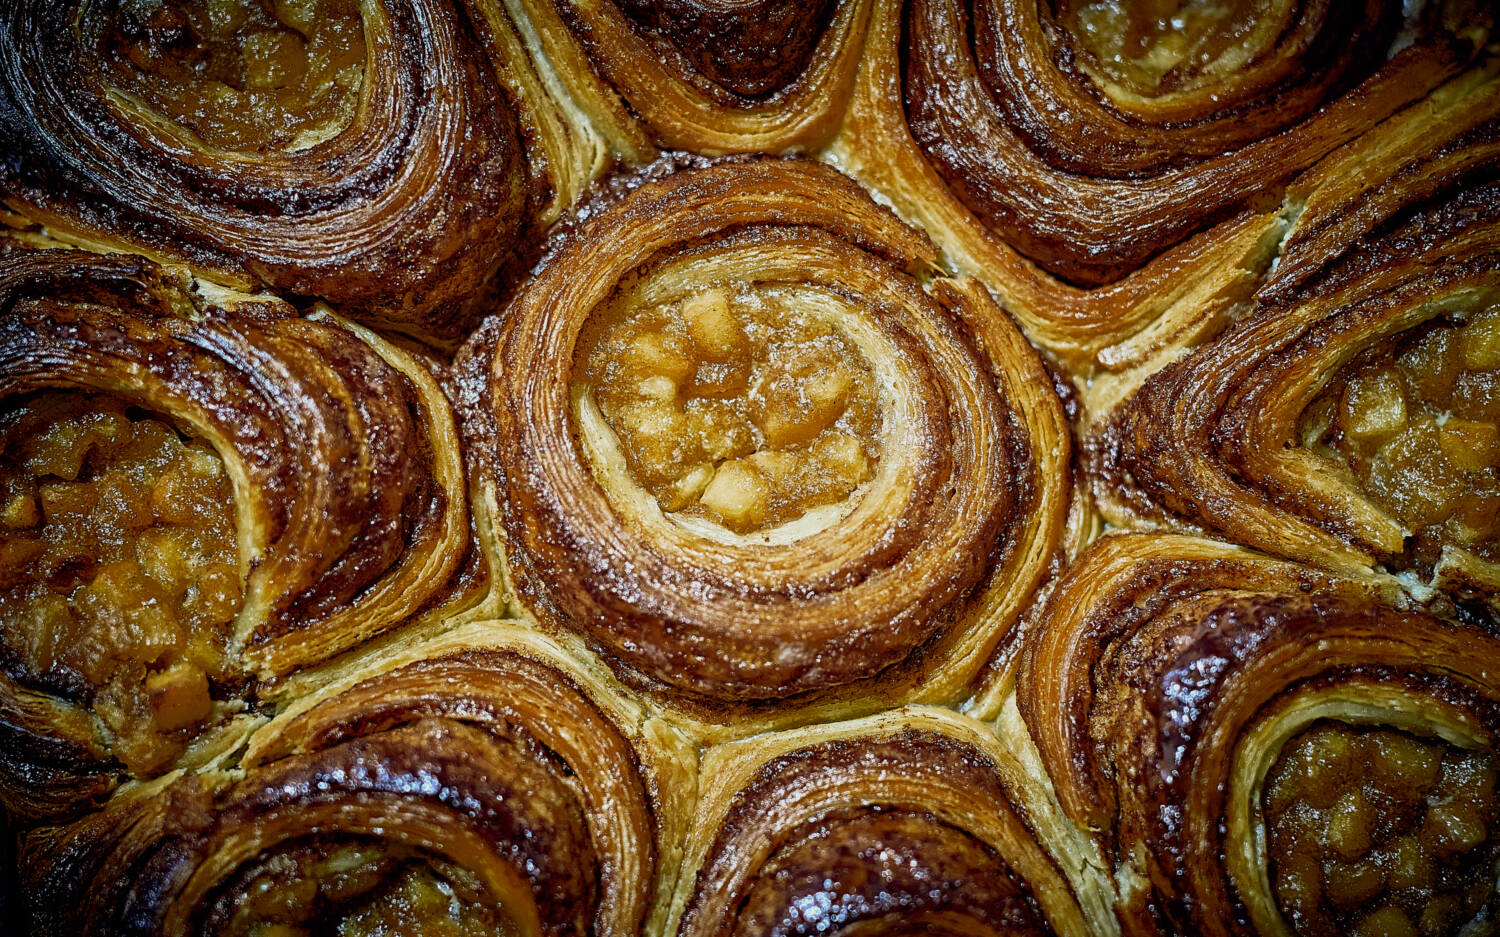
[765,75]
[302,145]
[1092,169]
[1165,687]
[475,792]
[744,611]
[327,471]
[1345,419]
[878,830]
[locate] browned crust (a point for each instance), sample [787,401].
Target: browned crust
[496,762]
[398,218]
[745,624]
[356,521]
[865,831]
[1090,192]
[1204,443]
[1157,657]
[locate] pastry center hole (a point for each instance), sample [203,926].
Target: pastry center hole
[738,407]
[1379,831]
[250,75]
[348,887]
[1415,418]
[1161,46]
[119,569]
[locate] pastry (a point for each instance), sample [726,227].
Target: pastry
[749,458]
[644,467]
[386,159]
[1261,746]
[198,492]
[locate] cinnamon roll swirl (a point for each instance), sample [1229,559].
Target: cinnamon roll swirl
[376,155]
[1115,171]
[750,458]
[1264,748]
[1346,420]
[897,824]
[199,488]
[464,786]
[766,76]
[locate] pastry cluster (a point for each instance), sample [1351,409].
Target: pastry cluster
[668,467]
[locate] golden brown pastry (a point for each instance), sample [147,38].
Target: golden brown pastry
[386,157]
[765,76]
[1113,171]
[198,489]
[703,548]
[750,458]
[896,824]
[1263,748]
[470,785]
[1349,419]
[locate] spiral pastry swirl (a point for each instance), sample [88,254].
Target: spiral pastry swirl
[766,76]
[1348,419]
[1114,171]
[455,787]
[198,491]
[319,148]
[757,459]
[1264,748]
[898,824]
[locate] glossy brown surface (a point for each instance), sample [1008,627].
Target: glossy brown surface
[143,588]
[1343,419]
[741,408]
[469,792]
[315,146]
[821,607]
[1155,687]
[120,565]
[1090,143]
[752,76]
[1375,830]
[919,838]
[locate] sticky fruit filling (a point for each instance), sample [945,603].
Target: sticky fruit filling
[1416,420]
[738,407]
[1377,831]
[119,574]
[245,75]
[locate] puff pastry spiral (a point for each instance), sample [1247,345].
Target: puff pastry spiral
[503,468]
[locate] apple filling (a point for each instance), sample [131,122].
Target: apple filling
[119,570]
[1378,831]
[1415,419]
[356,888]
[249,75]
[739,408]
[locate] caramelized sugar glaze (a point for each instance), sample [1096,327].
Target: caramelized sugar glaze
[618,382]
[749,601]
[1284,753]
[445,787]
[311,146]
